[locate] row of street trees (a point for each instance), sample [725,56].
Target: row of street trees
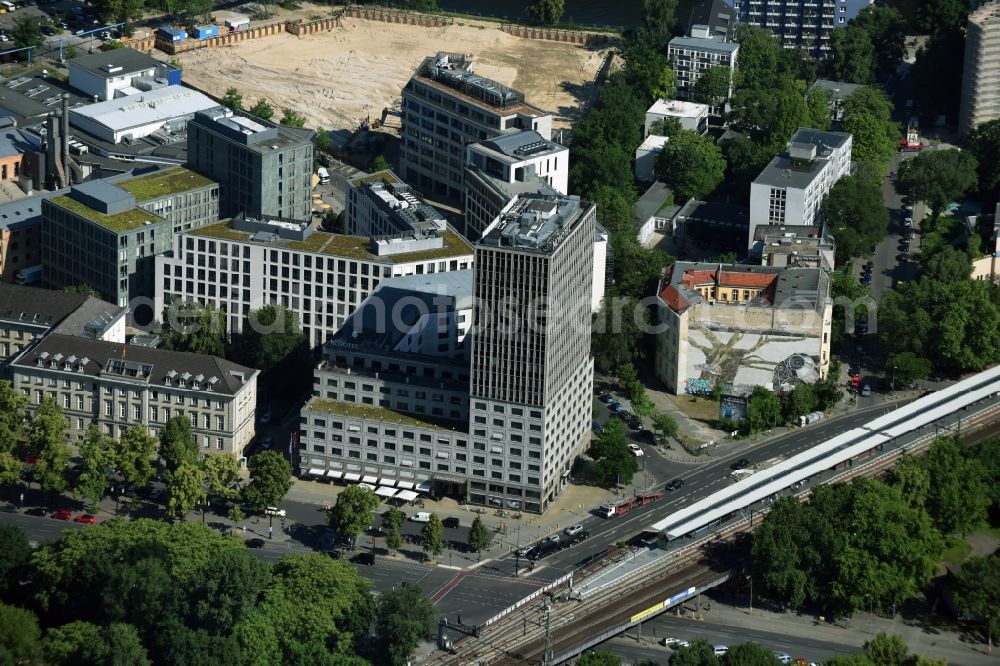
[142,592]
[262,109]
[873,543]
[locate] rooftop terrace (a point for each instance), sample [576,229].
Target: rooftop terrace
[373,413]
[132,218]
[163,183]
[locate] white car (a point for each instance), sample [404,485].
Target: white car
[673,643]
[908,221]
[421,517]
[720,650]
[524,551]
[551,537]
[636,451]
[274,511]
[573,530]
[783,657]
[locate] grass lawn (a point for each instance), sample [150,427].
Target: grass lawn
[697,407]
[956,550]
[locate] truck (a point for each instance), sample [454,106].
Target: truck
[30,275]
[324,175]
[205,31]
[647,498]
[912,141]
[616,508]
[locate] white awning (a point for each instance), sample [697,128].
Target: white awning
[389,483]
[351,476]
[385,491]
[316,471]
[424,487]
[373,480]
[406,495]
[367,485]
[404,484]
[334,474]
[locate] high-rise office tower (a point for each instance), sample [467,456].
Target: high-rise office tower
[981,82]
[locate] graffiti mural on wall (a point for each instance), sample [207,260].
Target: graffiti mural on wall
[738,357]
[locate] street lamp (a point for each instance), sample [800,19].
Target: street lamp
[114,491]
[892,386]
[750,609]
[871,613]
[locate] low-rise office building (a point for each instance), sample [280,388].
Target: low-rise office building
[791,188]
[696,53]
[108,74]
[691,115]
[741,326]
[106,235]
[131,117]
[244,264]
[646,156]
[787,246]
[380,204]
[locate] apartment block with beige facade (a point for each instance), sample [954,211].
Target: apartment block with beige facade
[980,101]
[742,326]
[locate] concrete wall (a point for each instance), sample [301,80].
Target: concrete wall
[556,34]
[370,13]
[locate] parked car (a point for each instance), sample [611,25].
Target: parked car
[596,427]
[573,529]
[255,543]
[86,518]
[545,549]
[614,406]
[551,538]
[606,398]
[866,390]
[31,459]
[783,657]
[36,511]
[636,450]
[673,643]
[264,418]
[525,551]
[742,463]
[450,522]
[577,538]
[156,493]
[63,515]
[676,484]
[421,517]
[720,650]
[274,511]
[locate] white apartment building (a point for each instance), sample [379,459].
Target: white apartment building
[692,116]
[380,204]
[980,101]
[517,157]
[697,53]
[242,265]
[791,188]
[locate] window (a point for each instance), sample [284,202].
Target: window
[121,410]
[136,412]
[220,423]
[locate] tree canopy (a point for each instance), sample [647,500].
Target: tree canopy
[763,410]
[856,216]
[546,11]
[270,479]
[405,617]
[984,144]
[938,177]
[270,335]
[691,164]
[613,461]
[353,512]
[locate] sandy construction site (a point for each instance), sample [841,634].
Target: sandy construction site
[336,79]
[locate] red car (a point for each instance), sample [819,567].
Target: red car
[31,459]
[62,515]
[86,518]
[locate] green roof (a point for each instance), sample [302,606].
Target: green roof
[127,220]
[385,176]
[373,413]
[351,247]
[163,183]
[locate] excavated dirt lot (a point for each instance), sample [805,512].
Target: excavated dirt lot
[336,79]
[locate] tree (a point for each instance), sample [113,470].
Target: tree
[192,327]
[15,556]
[270,479]
[874,140]
[546,11]
[945,265]
[856,216]
[273,334]
[887,32]
[262,110]
[379,163]
[96,456]
[661,18]
[763,410]
[977,590]
[942,16]
[665,424]
[431,533]
[177,444]
[818,103]
[598,659]
[713,86]
[749,654]
[235,514]
[913,479]
[333,222]
[405,618]
[769,116]
[393,539]
[352,514]
[290,118]
[799,401]
[937,76]
[479,535]
[616,336]
[614,462]
[12,403]
[907,367]
[886,649]
[222,471]
[185,489]
[761,60]
[984,144]
[233,99]
[27,32]
[120,11]
[321,141]
[696,653]
[136,448]
[744,161]
[854,59]
[668,126]
[957,499]
[46,436]
[19,640]
[938,177]
[827,390]
[691,164]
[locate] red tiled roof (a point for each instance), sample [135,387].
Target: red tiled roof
[691,278]
[755,280]
[675,299]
